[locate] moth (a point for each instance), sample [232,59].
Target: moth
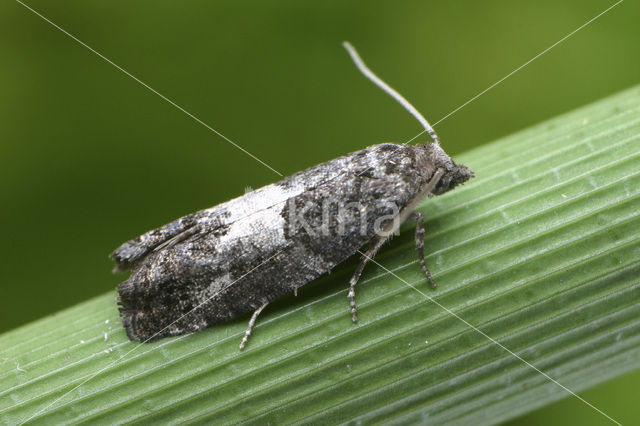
[219,263]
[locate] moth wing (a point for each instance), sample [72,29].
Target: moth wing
[133,251]
[202,222]
[195,280]
[230,266]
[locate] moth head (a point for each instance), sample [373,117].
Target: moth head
[452,177]
[452,174]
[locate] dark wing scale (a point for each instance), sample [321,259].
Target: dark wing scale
[131,252]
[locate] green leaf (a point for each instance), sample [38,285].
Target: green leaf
[541,252]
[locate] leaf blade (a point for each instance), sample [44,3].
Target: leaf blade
[540,252]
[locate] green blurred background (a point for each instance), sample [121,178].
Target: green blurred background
[90,158]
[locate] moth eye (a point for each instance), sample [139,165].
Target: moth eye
[443,184]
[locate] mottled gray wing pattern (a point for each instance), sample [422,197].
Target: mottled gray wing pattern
[225,261]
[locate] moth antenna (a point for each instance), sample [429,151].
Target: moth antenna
[390,91]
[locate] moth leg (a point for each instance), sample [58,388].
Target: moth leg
[252,322]
[368,255]
[420,227]
[371,252]
[434,181]
[420,245]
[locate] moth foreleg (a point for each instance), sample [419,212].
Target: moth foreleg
[433,182]
[368,255]
[420,245]
[252,322]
